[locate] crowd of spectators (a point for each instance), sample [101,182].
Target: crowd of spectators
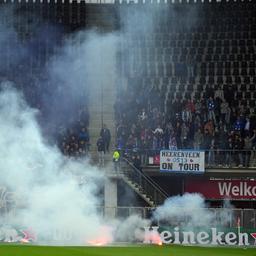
[73,139]
[147,122]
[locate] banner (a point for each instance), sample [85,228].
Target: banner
[182,161]
[221,189]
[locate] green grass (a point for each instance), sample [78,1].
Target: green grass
[170,250]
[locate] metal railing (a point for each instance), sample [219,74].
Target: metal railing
[144,182]
[217,158]
[247,217]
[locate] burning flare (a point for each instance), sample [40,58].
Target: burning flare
[105,237]
[154,237]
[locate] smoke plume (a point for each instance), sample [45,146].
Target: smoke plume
[49,198]
[190,210]
[46,194]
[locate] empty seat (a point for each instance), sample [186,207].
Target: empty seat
[243,87]
[247,95]
[252,103]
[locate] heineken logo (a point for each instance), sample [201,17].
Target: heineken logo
[211,236]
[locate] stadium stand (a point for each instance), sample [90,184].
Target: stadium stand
[192,86]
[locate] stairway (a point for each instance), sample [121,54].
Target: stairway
[102,97]
[142,184]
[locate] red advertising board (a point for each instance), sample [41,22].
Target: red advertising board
[221,189]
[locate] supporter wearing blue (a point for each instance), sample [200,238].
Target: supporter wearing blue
[211,108]
[239,124]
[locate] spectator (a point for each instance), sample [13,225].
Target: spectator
[222,145]
[137,162]
[167,133]
[173,142]
[83,138]
[219,93]
[142,117]
[184,135]
[106,136]
[116,160]
[211,108]
[158,131]
[198,139]
[239,124]
[229,152]
[204,110]
[198,107]
[101,151]
[248,148]
[209,126]
[238,147]
[225,112]
[207,139]
[186,114]
[247,126]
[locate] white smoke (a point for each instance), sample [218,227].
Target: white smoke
[190,210]
[49,198]
[131,229]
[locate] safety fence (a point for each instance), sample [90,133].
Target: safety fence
[213,158]
[225,217]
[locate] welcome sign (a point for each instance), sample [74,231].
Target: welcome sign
[221,189]
[182,161]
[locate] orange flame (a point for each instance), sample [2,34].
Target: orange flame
[154,238]
[24,241]
[104,239]
[101,241]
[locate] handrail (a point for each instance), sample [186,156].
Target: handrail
[148,179]
[225,158]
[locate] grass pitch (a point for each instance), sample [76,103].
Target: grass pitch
[165,250]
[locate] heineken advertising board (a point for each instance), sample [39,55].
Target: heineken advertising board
[201,236]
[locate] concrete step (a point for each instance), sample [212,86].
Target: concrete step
[138,190]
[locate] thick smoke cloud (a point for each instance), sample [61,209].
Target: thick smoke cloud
[131,229]
[46,197]
[49,198]
[190,210]
[77,74]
